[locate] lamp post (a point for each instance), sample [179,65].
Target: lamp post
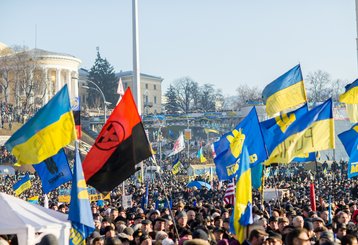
[104,98]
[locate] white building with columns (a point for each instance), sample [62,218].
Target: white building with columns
[56,69]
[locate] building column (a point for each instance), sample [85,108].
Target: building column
[50,87]
[75,84]
[69,84]
[47,95]
[58,80]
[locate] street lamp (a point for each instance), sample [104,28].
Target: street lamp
[104,98]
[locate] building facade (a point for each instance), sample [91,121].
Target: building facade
[46,71]
[49,71]
[150,89]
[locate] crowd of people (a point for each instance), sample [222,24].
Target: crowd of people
[175,214]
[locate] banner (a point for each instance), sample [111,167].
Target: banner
[127,201]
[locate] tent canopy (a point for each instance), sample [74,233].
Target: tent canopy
[25,219]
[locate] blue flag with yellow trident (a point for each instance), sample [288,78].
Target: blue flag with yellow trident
[313,131]
[80,210]
[285,92]
[349,140]
[276,127]
[22,185]
[242,211]
[229,147]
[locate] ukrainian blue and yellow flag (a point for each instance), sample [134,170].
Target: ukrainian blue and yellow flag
[51,129]
[312,132]
[352,112]
[176,166]
[33,199]
[80,213]
[228,148]
[285,92]
[349,140]
[242,214]
[350,95]
[22,185]
[201,156]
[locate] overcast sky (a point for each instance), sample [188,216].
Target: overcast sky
[225,43]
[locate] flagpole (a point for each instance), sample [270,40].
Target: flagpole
[136,68]
[357,25]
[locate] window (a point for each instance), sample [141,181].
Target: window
[146,99]
[155,87]
[125,85]
[146,85]
[155,99]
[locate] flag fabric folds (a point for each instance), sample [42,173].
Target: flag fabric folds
[176,166]
[22,185]
[79,213]
[76,110]
[285,92]
[277,126]
[49,130]
[350,98]
[120,89]
[33,199]
[256,175]
[229,196]
[350,95]
[352,112]
[312,132]
[121,144]
[54,171]
[349,140]
[227,149]
[201,156]
[179,145]
[242,212]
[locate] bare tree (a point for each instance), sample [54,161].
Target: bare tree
[337,88]
[5,71]
[30,81]
[185,90]
[247,94]
[319,86]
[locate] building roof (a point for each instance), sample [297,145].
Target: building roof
[41,52]
[130,74]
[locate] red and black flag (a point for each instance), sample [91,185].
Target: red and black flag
[120,145]
[77,116]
